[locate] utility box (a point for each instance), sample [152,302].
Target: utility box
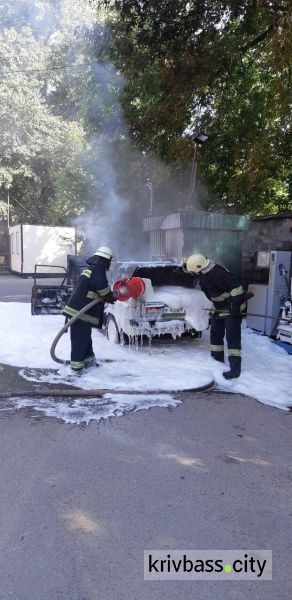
[257,307]
[32,245]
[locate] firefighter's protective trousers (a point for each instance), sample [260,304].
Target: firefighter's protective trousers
[231,327]
[82,354]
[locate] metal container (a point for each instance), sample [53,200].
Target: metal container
[180,234]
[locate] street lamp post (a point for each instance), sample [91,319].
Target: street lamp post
[8,209]
[150,188]
[199,139]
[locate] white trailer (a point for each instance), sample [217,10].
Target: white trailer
[32,245]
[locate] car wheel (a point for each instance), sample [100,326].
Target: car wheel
[112,331]
[124,338]
[192,334]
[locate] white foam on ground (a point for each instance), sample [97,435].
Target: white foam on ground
[171,366]
[84,411]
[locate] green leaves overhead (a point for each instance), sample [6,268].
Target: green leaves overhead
[135,80]
[223,67]
[35,144]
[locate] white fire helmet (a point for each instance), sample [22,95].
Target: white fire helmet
[196,262]
[105,252]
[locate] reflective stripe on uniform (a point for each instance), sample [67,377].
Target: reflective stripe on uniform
[70,311]
[217,348]
[237,291]
[91,295]
[234,352]
[87,273]
[221,297]
[217,314]
[104,292]
[87,318]
[74,364]
[101,293]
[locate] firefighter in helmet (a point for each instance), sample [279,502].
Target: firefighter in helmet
[229,300]
[92,283]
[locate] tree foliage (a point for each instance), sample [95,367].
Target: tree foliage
[220,66]
[40,146]
[100,99]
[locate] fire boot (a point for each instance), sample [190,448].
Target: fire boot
[77,366]
[90,361]
[78,372]
[218,356]
[235,368]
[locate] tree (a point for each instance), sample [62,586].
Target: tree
[35,144]
[220,66]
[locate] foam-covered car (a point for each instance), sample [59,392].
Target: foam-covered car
[169,303]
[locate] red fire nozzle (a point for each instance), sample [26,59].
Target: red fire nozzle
[134,287]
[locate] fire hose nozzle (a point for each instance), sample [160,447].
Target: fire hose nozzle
[124,289]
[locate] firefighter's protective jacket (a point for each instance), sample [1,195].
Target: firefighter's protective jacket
[224,290]
[92,283]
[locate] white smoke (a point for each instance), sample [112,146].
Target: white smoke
[102,221]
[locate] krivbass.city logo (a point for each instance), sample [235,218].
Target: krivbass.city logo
[213,565]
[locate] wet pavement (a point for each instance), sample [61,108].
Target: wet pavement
[11,382]
[79,504]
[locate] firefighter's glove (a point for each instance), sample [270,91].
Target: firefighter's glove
[110,298]
[249,295]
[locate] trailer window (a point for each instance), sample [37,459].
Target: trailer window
[12,243]
[17,242]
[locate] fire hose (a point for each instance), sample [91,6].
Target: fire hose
[64,329]
[134,287]
[213,313]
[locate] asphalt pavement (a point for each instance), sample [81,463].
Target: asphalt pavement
[79,505]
